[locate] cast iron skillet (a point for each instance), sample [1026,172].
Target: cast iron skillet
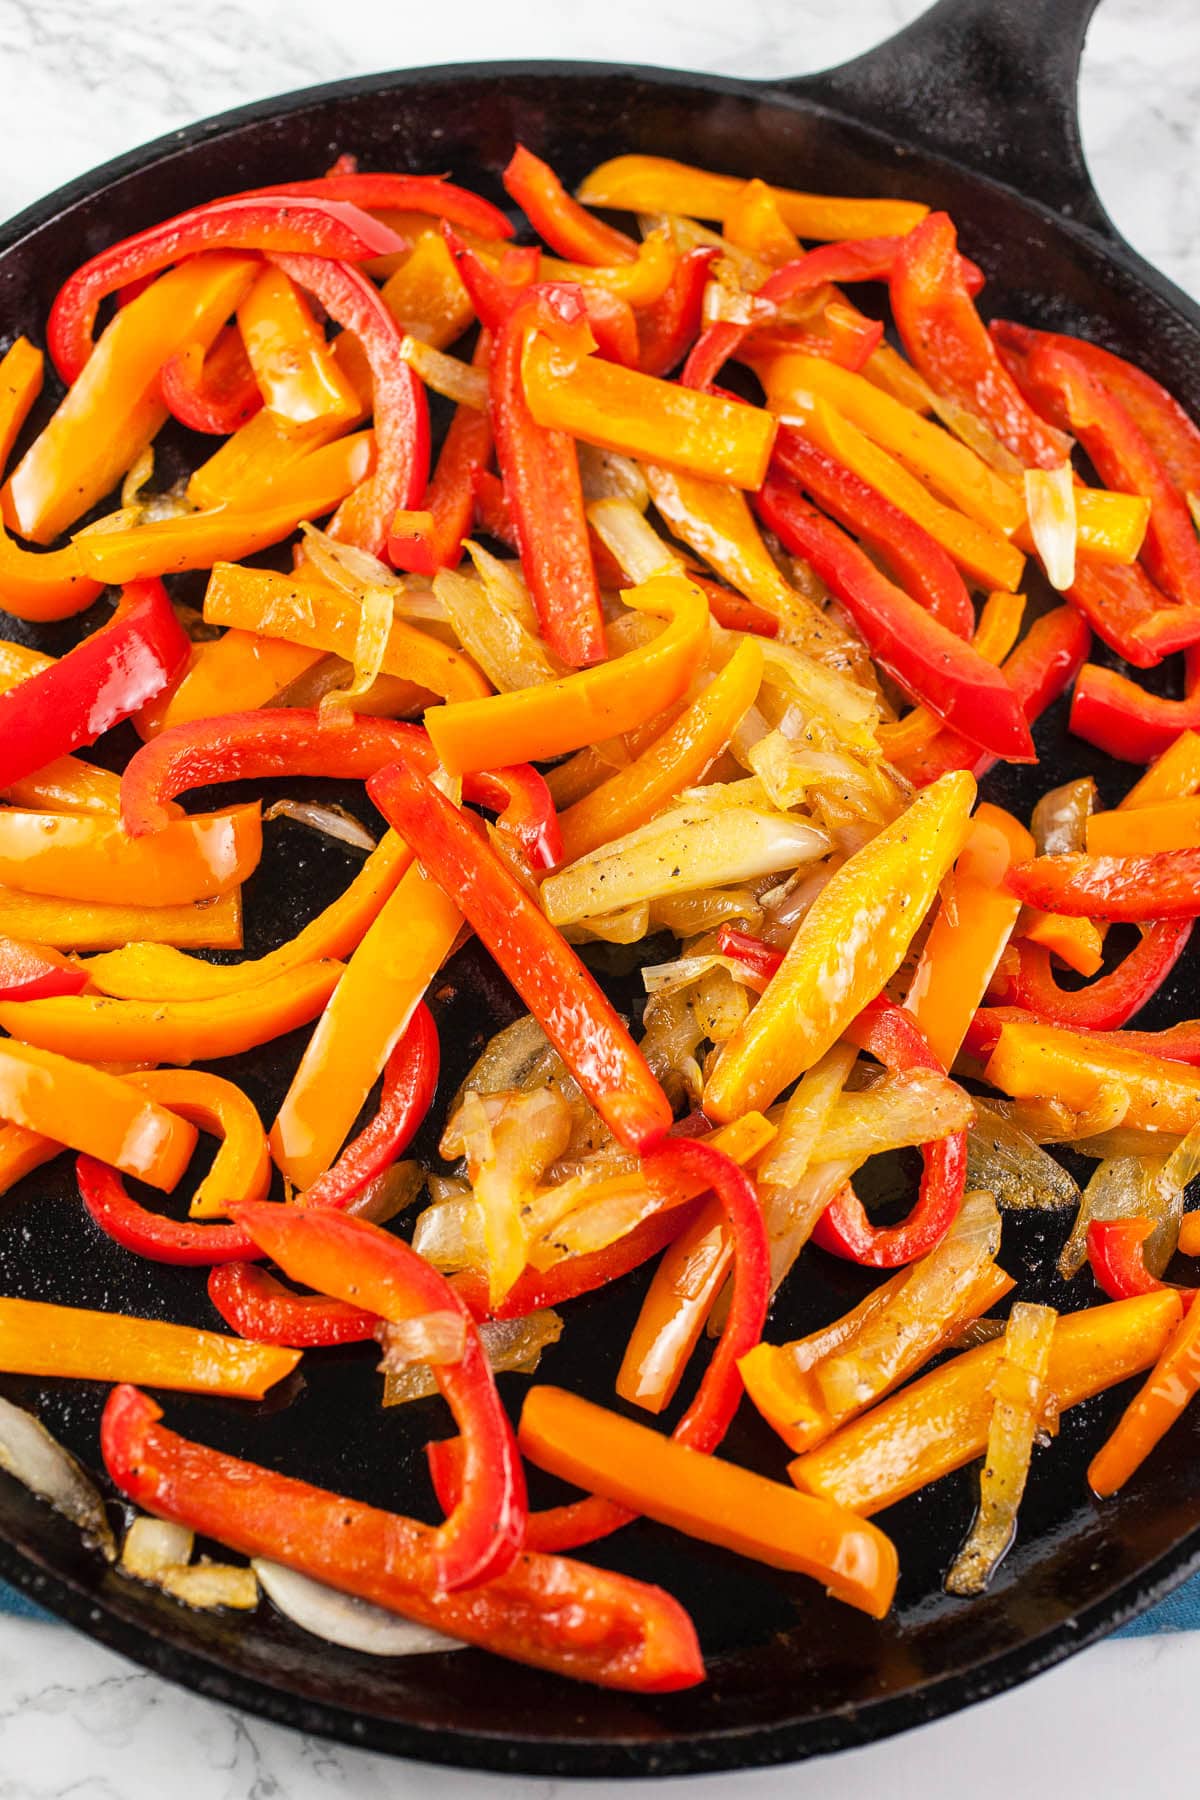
[972,108]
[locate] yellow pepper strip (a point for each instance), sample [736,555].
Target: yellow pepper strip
[755,223]
[37,1338]
[21,1152]
[95,1112]
[241,1169]
[426,295]
[385,979]
[294,366]
[532,724]
[639,415]
[313,487]
[307,612]
[33,585]
[113,410]
[995,635]
[793,382]
[850,942]
[1174,776]
[234,673]
[149,971]
[87,856]
[640,282]
[672,762]
[1077,942]
[656,184]
[99,925]
[941,1422]
[1142,830]
[97,1029]
[1033,1060]
[973,925]
[983,554]
[1108,527]
[887,369]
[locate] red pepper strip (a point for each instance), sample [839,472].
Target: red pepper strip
[1106,1002]
[355,1261]
[214,393]
[1112,712]
[546,1611]
[35,972]
[919,563]
[298,740]
[400,409]
[450,497]
[316,226]
[184,1242]
[894,1037]
[667,329]
[409,1083]
[260,1308]
[493,295]
[734,611]
[94,686]
[1118,600]
[1179,1043]
[1165,885]
[1038,671]
[917,650]
[493,514]
[431,194]
[946,339]
[1115,1251]
[569,229]
[542,966]
[1176,440]
[760,958]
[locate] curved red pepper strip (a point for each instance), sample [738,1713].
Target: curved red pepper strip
[667,330]
[410,1079]
[496,296]
[316,226]
[261,1309]
[558,219]
[185,1242]
[33,972]
[214,393]
[1178,1043]
[734,611]
[1115,1251]
[1165,885]
[382,192]
[1120,602]
[354,1261]
[493,514]
[1106,1002]
[450,496]
[1112,712]
[94,686]
[894,1037]
[760,958]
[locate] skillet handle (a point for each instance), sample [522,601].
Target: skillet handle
[990,84]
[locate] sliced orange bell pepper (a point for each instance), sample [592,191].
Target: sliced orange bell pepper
[96,925]
[33,585]
[973,924]
[849,943]
[708,1498]
[385,978]
[426,294]
[241,1169]
[1141,830]
[1172,1383]
[995,635]
[532,724]
[21,1152]
[307,612]
[1189,1234]
[37,1338]
[295,368]
[656,184]
[113,410]
[97,1029]
[682,1293]
[674,761]
[941,1422]
[22,370]
[93,1111]
[755,223]
[233,673]
[88,856]
[1077,942]
[1175,775]
[639,282]
[1031,1060]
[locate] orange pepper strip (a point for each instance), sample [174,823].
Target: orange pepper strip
[640,282]
[87,856]
[426,295]
[1077,942]
[92,1111]
[940,1422]
[97,1029]
[973,924]
[1031,1060]
[95,925]
[755,223]
[21,1152]
[33,585]
[113,410]
[297,375]
[22,371]
[1174,776]
[1189,1234]
[234,673]
[532,724]
[1172,1382]
[384,980]
[656,184]
[850,942]
[673,761]
[241,1169]
[679,1299]
[708,1498]
[639,415]
[995,635]
[149,971]
[37,1338]
[308,612]
[1140,830]
[1108,527]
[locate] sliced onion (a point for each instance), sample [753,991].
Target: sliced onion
[512,1346]
[139,475]
[804,1119]
[509,1140]
[664,978]
[504,645]
[631,540]
[848,712]
[38,1461]
[449,1233]
[606,475]
[1050,1121]
[447,375]
[685,915]
[158,1552]
[330,821]
[628,926]
[1059,822]
[1127,1187]
[344,1619]
[1006,1160]
[1050,504]
[435,1338]
[912,1107]
[390,1193]
[970,430]
[390,697]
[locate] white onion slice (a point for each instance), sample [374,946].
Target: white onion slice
[38,1461]
[159,1552]
[330,821]
[343,1619]
[1050,503]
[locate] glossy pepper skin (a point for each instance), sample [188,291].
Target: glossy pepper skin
[213,393]
[667,330]
[1165,885]
[384,191]
[1112,712]
[36,972]
[185,1242]
[560,221]
[410,1079]
[261,1309]
[1115,1252]
[1105,1003]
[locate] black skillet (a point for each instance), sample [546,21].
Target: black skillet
[972,108]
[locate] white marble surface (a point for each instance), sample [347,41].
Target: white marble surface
[81,80]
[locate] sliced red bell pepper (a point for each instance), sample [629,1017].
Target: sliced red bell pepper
[35,972]
[493,293]
[919,563]
[1106,1002]
[1179,1043]
[187,1243]
[315,226]
[947,340]
[261,1309]
[569,229]
[493,514]
[450,497]
[667,330]
[94,686]
[1119,601]
[892,1035]
[384,192]
[1165,885]
[546,972]
[735,612]
[409,1083]
[1112,712]
[760,958]
[556,1615]
[351,1260]
[928,661]
[214,393]
[1116,1252]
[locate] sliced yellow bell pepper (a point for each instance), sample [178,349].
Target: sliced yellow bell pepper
[98,925]
[295,368]
[90,1110]
[88,856]
[33,585]
[22,371]
[1108,527]
[1174,776]
[1033,1060]
[1142,830]
[1077,942]
[241,1169]
[640,282]
[426,295]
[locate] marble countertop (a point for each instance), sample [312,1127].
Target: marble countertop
[85,79]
